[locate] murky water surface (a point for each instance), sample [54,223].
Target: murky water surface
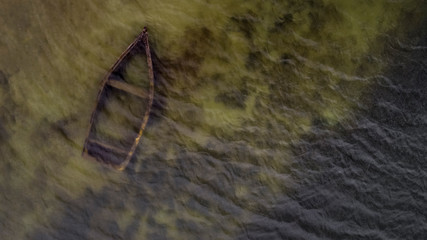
[272,120]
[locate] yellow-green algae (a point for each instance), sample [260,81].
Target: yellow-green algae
[285,64]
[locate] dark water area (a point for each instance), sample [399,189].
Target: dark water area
[293,120]
[367,180]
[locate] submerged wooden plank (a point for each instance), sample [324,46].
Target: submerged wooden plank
[105,154]
[128,88]
[104,145]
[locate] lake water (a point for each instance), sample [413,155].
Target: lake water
[272,120]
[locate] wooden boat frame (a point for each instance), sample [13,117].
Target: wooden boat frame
[126,87]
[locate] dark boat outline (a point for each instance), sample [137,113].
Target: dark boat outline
[142,37]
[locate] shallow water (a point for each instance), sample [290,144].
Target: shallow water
[272,120]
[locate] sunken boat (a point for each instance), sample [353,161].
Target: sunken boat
[122,107]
